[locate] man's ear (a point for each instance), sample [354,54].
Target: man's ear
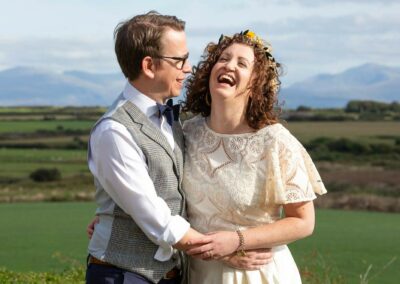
[148,67]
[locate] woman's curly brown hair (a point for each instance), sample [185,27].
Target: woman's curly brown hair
[261,108]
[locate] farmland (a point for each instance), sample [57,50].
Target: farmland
[359,162]
[376,131]
[347,153]
[52,236]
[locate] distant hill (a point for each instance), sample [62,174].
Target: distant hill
[29,86]
[365,82]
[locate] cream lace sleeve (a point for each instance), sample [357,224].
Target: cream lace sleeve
[296,177]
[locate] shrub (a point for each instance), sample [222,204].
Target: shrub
[326,148]
[70,275]
[49,117]
[304,108]
[42,175]
[77,143]
[319,143]
[348,146]
[381,148]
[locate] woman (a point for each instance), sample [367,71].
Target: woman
[242,168]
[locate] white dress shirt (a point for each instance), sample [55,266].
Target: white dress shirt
[120,166]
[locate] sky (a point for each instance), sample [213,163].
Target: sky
[308,37]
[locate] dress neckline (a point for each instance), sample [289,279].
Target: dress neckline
[259,131]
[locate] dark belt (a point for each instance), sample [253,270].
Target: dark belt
[172,274]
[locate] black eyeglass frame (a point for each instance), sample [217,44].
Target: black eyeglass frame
[178,59]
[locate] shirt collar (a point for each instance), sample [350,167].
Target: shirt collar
[147,105]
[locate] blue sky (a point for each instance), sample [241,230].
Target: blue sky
[308,36]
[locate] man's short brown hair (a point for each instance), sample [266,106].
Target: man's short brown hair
[140,37]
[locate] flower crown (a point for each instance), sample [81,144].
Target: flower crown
[257,41]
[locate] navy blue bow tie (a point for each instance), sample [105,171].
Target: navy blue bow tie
[169,111]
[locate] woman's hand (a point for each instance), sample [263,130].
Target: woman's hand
[253,260]
[90,226]
[214,246]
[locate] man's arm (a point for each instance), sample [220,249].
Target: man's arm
[253,260]
[119,165]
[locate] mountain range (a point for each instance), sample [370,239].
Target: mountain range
[365,82]
[28,86]
[25,86]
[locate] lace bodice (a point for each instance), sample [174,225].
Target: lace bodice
[237,181]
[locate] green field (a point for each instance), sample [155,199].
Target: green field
[38,155]
[23,110]
[57,140]
[31,110]
[351,241]
[33,232]
[29,126]
[19,163]
[16,165]
[375,131]
[304,131]
[345,242]
[357,130]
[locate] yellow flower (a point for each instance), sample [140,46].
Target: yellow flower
[251,34]
[255,38]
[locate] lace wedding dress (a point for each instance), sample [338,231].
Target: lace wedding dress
[241,181]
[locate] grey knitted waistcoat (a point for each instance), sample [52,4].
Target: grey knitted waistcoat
[128,247]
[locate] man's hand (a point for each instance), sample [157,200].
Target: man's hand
[90,227]
[253,260]
[185,243]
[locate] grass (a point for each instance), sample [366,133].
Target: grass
[357,130]
[19,163]
[74,274]
[29,126]
[304,131]
[344,244]
[70,188]
[17,170]
[35,155]
[27,110]
[351,241]
[46,140]
[33,234]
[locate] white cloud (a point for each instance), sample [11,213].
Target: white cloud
[358,2]
[59,55]
[311,45]
[308,36]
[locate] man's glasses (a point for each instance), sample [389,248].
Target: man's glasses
[180,61]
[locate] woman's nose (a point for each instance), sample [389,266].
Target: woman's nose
[230,65]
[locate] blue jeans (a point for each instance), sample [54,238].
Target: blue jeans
[101,274]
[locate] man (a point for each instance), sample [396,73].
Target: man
[136,158]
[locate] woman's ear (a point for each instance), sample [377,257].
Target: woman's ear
[148,67]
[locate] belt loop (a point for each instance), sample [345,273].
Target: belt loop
[87,260]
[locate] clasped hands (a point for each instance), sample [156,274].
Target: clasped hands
[222,246]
